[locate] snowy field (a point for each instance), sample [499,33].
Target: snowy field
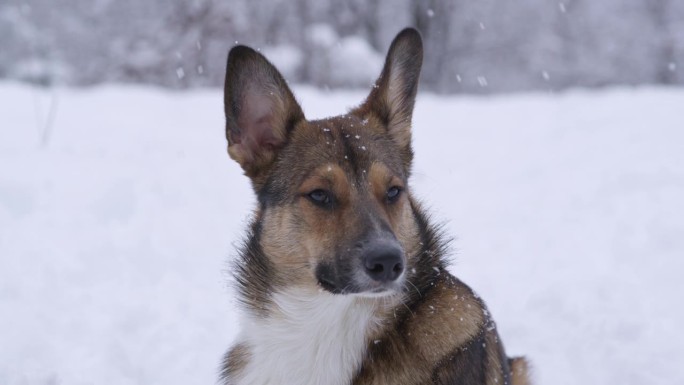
[117,232]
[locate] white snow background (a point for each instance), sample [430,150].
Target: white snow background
[116,236]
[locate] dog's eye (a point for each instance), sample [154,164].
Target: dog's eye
[320,197]
[393,193]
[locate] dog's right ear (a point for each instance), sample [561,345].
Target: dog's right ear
[260,110]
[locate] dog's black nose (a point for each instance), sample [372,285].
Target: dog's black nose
[384,262]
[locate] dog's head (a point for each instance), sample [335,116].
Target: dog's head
[334,204]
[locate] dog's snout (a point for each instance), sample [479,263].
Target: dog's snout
[384,262]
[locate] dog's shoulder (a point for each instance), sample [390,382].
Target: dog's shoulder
[477,355]
[444,318]
[444,335]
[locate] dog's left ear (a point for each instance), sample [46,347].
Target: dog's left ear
[393,95]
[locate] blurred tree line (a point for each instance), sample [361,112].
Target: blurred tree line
[471,45]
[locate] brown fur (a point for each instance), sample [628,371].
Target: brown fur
[235,360]
[520,371]
[434,329]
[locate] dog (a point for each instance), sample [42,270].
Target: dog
[342,279]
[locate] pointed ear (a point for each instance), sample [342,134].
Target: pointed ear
[394,93]
[260,110]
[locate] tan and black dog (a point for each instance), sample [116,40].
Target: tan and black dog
[342,279]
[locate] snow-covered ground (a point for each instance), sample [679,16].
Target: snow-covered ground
[116,234]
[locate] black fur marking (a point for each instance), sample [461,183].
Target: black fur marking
[272,193]
[351,157]
[325,273]
[254,274]
[467,365]
[383,115]
[505,363]
[432,258]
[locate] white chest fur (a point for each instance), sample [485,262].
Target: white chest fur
[312,338]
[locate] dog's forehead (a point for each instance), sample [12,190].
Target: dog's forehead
[348,123]
[352,142]
[350,127]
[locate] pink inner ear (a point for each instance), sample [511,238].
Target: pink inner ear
[257,125]
[264,135]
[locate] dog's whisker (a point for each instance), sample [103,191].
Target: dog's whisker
[417,291]
[408,308]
